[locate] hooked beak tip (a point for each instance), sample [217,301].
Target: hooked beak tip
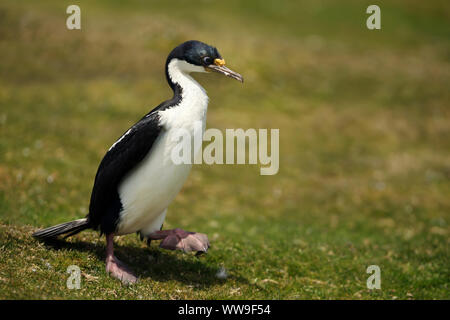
[226,71]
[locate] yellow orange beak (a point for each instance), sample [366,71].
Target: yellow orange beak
[219,66]
[219,62]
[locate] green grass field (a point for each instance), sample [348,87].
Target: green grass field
[364,119]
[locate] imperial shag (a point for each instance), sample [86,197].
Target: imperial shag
[137,179]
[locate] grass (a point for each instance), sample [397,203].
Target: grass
[364,125]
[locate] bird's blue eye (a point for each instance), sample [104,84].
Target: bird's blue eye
[207,60]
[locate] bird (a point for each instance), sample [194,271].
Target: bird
[137,180]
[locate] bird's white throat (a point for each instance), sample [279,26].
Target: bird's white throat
[194,100]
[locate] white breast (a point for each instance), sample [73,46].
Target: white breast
[148,189]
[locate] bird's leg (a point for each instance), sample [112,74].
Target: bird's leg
[116,267]
[149,240]
[178,239]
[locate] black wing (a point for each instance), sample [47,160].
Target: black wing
[125,154]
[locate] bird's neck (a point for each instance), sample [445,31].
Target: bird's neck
[188,91]
[179,79]
[190,101]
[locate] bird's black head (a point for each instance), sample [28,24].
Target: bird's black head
[196,53]
[200,57]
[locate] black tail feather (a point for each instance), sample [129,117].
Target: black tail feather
[70,228]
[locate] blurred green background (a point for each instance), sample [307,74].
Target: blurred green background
[364,123]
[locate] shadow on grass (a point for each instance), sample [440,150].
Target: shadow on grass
[154,263]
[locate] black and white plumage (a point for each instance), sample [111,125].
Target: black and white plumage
[137,179]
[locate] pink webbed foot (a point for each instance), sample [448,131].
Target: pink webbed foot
[178,239]
[119,270]
[114,266]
